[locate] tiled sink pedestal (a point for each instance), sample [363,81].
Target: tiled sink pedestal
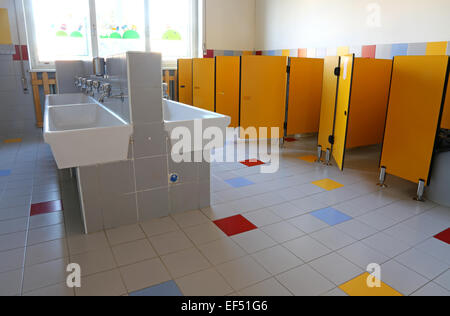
[137,189]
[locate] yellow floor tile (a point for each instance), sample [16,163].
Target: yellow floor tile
[13,140]
[310,159]
[328,184]
[358,287]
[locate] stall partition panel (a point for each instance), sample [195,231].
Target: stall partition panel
[263,93]
[369,99]
[328,105]
[342,109]
[204,83]
[227,87]
[446,115]
[185,81]
[305,93]
[415,106]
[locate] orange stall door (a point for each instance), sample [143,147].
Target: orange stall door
[227,87]
[203,82]
[185,81]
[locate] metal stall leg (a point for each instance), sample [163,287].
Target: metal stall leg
[328,157]
[319,154]
[420,191]
[382,182]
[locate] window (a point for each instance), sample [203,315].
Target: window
[120,26]
[82,29]
[62,30]
[171,28]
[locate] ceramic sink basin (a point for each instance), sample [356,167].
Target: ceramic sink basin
[70,98]
[181,115]
[85,134]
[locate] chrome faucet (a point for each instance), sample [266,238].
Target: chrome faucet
[90,89]
[106,92]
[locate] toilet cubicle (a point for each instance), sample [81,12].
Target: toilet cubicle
[185,81]
[415,112]
[305,93]
[228,78]
[354,104]
[203,82]
[263,95]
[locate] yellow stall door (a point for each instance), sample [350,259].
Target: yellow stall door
[414,109]
[203,82]
[305,93]
[446,115]
[328,105]
[342,109]
[263,94]
[185,81]
[368,106]
[227,87]
[5,31]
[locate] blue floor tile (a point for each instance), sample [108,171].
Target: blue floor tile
[5,173]
[331,216]
[239,182]
[165,289]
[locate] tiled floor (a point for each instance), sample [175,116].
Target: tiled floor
[306,230]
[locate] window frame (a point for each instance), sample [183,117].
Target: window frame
[36,64]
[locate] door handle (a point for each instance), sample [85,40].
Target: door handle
[182,87]
[220,93]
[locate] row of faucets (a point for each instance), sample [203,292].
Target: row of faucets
[90,86]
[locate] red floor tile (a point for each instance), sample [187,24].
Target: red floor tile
[252,163]
[444,236]
[290,140]
[46,207]
[235,225]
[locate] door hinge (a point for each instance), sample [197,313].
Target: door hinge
[337,71]
[288,69]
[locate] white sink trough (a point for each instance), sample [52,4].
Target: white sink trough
[181,115]
[67,99]
[85,134]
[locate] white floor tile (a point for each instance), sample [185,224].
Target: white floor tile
[185,262]
[145,274]
[95,261]
[307,248]
[444,280]
[12,259]
[136,251]
[406,234]
[287,210]
[48,251]
[221,251]
[45,274]
[60,289]
[308,223]
[159,226]
[254,241]
[13,226]
[11,283]
[336,268]
[377,220]
[401,278]
[436,248]
[309,204]
[386,245]
[103,284]
[283,232]
[85,243]
[333,238]
[432,290]
[204,233]
[170,242]
[336,292]
[304,281]
[243,273]
[263,217]
[356,229]
[49,233]
[46,220]
[204,283]
[192,218]
[362,255]
[422,263]
[124,234]
[12,241]
[267,288]
[277,260]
